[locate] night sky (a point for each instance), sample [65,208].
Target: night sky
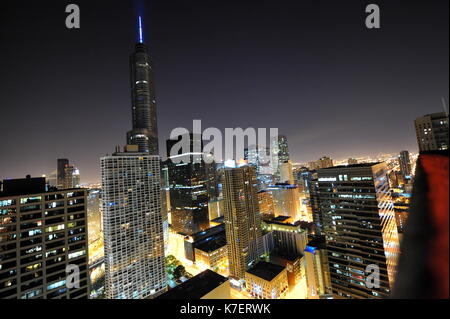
[310,68]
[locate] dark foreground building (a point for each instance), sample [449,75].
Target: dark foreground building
[206,285]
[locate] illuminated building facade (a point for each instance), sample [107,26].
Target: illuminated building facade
[286,200]
[95,222]
[145,130]
[324,162]
[266,205]
[267,281]
[303,177]
[41,233]
[316,266]
[432,132]
[215,209]
[280,155]
[289,238]
[286,174]
[357,218]
[260,157]
[71,177]
[212,254]
[242,219]
[293,264]
[405,164]
[213,234]
[132,225]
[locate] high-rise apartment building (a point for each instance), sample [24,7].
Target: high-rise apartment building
[133,225]
[42,232]
[145,130]
[432,132]
[356,216]
[242,219]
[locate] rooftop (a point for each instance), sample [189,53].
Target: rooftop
[317,242]
[212,244]
[280,218]
[265,270]
[285,255]
[28,186]
[196,287]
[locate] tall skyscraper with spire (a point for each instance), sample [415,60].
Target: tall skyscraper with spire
[132,201]
[143,102]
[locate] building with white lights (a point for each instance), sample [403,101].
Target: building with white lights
[133,225]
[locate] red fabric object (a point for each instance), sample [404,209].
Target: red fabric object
[436,169]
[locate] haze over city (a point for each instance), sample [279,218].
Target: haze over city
[312,70]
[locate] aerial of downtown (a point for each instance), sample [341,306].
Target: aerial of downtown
[251,151]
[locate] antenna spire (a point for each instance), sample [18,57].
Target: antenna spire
[444,106]
[141,34]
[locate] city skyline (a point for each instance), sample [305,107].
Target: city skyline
[335,203]
[220,62]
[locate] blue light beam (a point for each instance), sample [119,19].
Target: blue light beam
[141,34]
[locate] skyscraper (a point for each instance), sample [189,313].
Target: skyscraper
[41,233]
[71,177]
[60,172]
[280,155]
[132,225]
[192,184]
[260,157]
[356,216]
[145,130]
[432,132]
[242,219]
[286,174]
[405,164]
[280,148]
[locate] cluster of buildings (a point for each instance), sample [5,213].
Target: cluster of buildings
[252,227]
